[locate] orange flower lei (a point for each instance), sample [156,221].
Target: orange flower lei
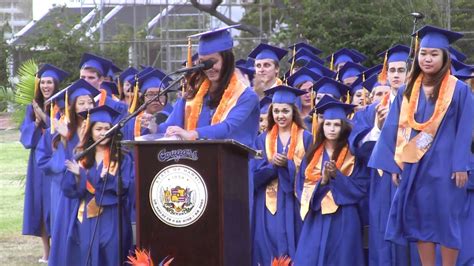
[413,104]
[293,140]
[316,157]
[197,103]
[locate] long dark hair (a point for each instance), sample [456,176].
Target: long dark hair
[89,159]
[39,98]
[296,117]
[438,78]
[346,129]
[228,67]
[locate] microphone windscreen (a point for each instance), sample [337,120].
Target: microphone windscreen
[207,64]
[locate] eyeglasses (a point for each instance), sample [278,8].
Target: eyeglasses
[399,70]
[151,94]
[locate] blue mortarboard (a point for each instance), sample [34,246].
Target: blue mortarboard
[461,70]
[372,82]
[396,53]
[355,86]
[246,67]
[153,79]
[372,71]
[350,69]
[320,69]
[99,63]
[110,87]
[194,58]
[112,70]
[104,114]
[266,51]
[330,86]
[127,73]
[299,45]
[455,54]
[434,37]
[264,104]
[359,54]
[303,56]
[133,79]
[302,75]
[334,109]
[284,94]
[50,71]
[215,41]
[79,88]
[345,55]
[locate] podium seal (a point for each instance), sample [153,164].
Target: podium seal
[178,195]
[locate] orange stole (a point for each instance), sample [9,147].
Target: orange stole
[411,151]
[137,127]
[229,99]
[296,152]
[313,173]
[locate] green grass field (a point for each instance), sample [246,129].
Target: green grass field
[15,249]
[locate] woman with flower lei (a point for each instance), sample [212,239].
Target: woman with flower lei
[425,145]
[275,224]
[216,105]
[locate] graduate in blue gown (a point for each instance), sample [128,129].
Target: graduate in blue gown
[276,225]
[93,233]
[329,185]
[339,58]
[427,160]
[36,213]
[216,105]
[365,133]
[124,85]
[56,149]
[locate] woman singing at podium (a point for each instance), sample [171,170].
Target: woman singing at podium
[216,104]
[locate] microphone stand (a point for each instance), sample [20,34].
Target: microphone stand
[114,131]
[411,55]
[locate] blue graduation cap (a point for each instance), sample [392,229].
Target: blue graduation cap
[133,79]
[334,109]
[461,70]
[266,51]
[344,55]
[302,75]
[371,71]
[246,67]
[104,114]
[329,86]
[50,71]
[320,69]
[284,94]
[434,37]
[357,85]
[80,88]
[455,54]
[396,53]
[265,104]
[302,45]
[127,73]
[112,70]
[110,87]
[101,64]
[153,79]
[215,41]
[373,82]
[350,69]
[303,56]
[359,54]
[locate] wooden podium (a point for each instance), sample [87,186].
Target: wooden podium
[212,230]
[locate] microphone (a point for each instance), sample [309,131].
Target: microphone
[417,15]
[205,65]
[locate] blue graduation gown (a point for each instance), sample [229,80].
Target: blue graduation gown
[332,239]
[381,192]
[427,204]
[37,189]
[274,235]
[105,244]
[241,124]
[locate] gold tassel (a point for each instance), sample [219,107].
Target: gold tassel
[314,126]
[382,78]
[66,108]
[37,81]
[331,65]
[51,118]
[293,60]
[119,88]
[135,97]
[348,97]
[417,43]
[189,62]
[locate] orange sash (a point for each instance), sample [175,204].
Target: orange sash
[229,99]
[296,152]
[137,127]
[411,151]
[313,173]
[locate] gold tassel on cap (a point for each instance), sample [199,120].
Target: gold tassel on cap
[348,97]
[331,64]
[417,43]
[51,118]
[119,88]
[133,105]
[382,78]
[66,108]
[293,60]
